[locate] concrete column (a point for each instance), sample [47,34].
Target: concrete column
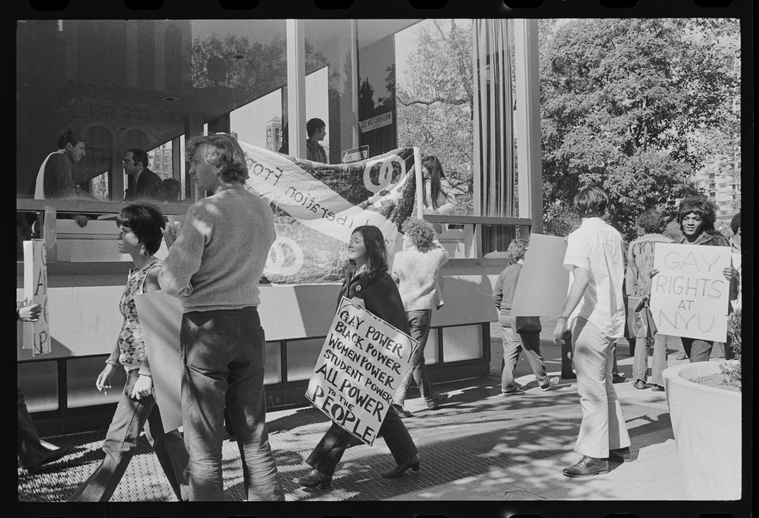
[296,88]
[527,81]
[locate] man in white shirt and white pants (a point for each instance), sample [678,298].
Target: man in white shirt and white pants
[596,313]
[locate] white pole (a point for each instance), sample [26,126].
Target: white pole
[419,183]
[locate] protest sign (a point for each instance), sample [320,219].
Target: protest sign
[543,281]
[36,334]
[160,316]
[361,365]
[689,295]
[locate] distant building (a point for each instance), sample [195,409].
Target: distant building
[274,134]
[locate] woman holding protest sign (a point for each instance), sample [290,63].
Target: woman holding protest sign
[141,230]
[696,216]
[369,285]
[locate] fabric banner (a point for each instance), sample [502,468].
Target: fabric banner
[689,295]
[36,334]
[543,282]
[160,318]
[360,367]
[317,205]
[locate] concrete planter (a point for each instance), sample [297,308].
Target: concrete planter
[707,426]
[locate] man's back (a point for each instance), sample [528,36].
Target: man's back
[221,251]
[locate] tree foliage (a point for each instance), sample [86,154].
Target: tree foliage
[622,103]
[434,102]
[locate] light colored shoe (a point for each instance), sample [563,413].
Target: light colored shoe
[516,391]
[550,383]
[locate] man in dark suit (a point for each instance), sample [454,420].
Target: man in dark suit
[143,184]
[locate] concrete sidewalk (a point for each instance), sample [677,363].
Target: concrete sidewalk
[480,446]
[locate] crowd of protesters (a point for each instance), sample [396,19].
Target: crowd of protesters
[214,265]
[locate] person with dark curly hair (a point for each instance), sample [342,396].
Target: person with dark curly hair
[369,285]
[697,216]
[415,270]
[140,236]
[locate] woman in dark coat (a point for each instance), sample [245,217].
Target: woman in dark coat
[367,284]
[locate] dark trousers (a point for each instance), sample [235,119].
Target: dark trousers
[330,449]
[419,328]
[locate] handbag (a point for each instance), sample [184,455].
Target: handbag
[640,320]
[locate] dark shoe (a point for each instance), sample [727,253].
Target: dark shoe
[657,388]
[400,469]
[436,401]
[402,412]
[550,383]
[588,466]
[640,385]
[620,455]
[53,456]
[618,378]
[516,391]
[315,478]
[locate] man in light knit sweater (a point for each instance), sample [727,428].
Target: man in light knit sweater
[415,270]
[214,267]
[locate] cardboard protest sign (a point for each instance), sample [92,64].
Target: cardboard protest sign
[36,334]
[543,281]
[361,365]
[160,316]
[689,295]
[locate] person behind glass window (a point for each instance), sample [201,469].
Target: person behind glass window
[144,184]
[316,130]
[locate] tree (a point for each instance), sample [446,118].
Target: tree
[434,102]
[622,103]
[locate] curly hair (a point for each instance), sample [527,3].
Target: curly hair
[376,251]
[146,221]
[701,206]
[651,221]
[516,250]
[222,151]
[420,232]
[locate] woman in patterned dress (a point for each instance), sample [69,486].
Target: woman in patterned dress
[141,227]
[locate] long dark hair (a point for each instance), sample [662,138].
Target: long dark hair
[376,252]
[436,173]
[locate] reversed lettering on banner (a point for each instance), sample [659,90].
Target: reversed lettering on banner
[36,334]
[689,295]
[360,367]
